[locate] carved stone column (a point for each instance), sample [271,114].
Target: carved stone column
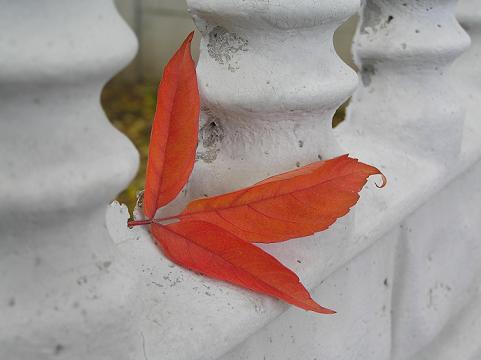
[270,82]
[63,291]
[406,101]
[408,112]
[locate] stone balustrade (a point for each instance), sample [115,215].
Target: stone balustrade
[402,269]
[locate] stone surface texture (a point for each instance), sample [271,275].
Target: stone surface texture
[404,50]
[63,289]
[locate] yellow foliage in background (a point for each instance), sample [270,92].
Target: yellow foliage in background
[130,106]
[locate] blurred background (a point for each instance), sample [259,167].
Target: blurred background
[129,98]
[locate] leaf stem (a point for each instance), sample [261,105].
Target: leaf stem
[133,223]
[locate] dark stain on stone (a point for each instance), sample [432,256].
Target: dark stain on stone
[37,261]
[367,72]
[82,280]
[372,16]
[211,135]
[103,265]
[58,349]
[223,47]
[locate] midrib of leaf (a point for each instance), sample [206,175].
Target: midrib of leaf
[230,206]
[174,102]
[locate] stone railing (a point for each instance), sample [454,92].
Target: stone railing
[403,269]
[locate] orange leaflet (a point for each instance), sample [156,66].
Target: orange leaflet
[212,251]
[173,138]
[290,205]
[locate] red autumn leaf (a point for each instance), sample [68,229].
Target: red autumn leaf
[213,235]
[212,251]
[290,205]
[173,138]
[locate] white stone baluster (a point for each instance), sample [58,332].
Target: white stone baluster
[468,66]
[270,82]
[63,290]
[408,114]
[406,101]
[436,300]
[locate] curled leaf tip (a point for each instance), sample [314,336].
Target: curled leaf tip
[383,181]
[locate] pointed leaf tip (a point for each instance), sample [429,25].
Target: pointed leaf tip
[214,252]
[190,37]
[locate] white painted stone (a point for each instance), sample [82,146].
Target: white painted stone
[361,292]
[406,100]
[415,294]
[467,68]
[270,81]
[437,279]
[71,289]
[63,289]
[187,316]
[440,257]
[431,298]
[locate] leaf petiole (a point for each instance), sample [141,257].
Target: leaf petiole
[133,223]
